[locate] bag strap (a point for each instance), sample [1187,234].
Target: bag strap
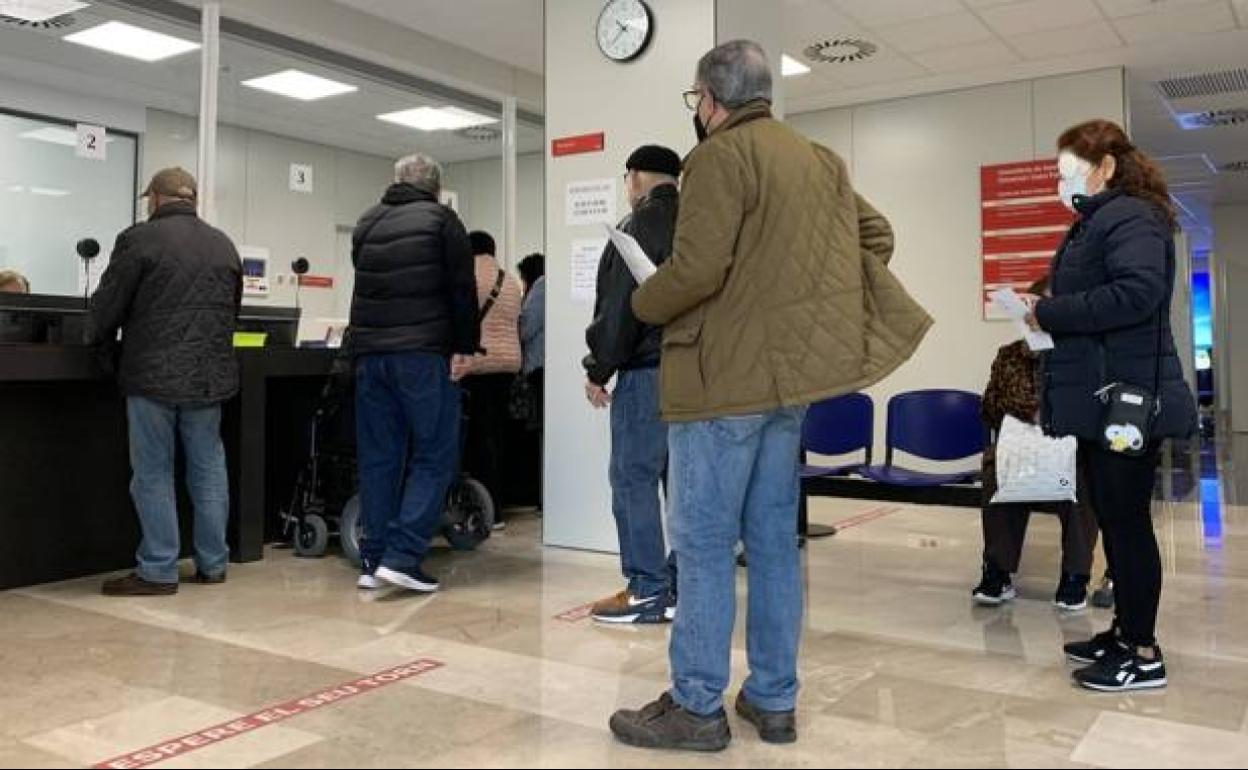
[494,295]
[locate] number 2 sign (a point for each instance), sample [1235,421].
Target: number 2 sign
[92,142]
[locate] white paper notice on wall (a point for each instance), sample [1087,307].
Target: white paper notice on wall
[591,202]
[585,257]
[92,142]
[301,178]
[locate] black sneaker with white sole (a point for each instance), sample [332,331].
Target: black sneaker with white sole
[1095,649]
[1124,670]
[995,588]
[368,576]
[1072,592]
[415,580]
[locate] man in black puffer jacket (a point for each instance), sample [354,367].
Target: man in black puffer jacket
[620,346]
[414,327]
[173,286]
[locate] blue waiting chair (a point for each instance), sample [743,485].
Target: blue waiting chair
[940,425]
[839,426]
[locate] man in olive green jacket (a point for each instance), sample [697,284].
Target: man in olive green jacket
[777,295]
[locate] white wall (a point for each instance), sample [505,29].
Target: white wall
[636,103]
[1230,267]
[918,161]
[480,187]
[256,207]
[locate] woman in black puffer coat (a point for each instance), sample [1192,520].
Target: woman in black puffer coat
[1109,314]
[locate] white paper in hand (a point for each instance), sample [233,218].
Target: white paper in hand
[640,265]
[1016,310]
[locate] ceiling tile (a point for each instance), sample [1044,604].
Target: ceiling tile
[884,67]
[992,53]
[1176,20]
[1038,15]
[956,29]
[977,4]
[878,12]
[1062,42]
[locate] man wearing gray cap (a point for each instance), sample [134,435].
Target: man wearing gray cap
[173,287]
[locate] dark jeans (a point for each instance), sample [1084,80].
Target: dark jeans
[1005,525]
[488,425]
[407,427]
[638,464]
[1122,495]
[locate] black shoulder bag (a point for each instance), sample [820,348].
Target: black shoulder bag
[1130,412]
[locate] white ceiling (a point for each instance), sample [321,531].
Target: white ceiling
[928,46]
[509,31]
[348,121]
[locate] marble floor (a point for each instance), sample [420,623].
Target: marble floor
[899,669]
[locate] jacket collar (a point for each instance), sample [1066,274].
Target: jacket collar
[177,208]
[398,194]
[661,192]
[750,111]
[1087,205]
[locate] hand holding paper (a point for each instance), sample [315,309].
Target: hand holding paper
[640,265]
[1016,309]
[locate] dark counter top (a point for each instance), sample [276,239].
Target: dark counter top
[53,363]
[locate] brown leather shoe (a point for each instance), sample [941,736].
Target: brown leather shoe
[133,585]
[200,579]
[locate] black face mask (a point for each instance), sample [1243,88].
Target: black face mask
[698,127]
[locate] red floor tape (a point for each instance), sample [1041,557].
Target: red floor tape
[185,744]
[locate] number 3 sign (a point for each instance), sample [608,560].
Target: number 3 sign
[92,142]
[300,178]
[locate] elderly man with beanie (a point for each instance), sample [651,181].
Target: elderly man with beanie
[624,348]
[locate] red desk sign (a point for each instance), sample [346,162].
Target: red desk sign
[578,145]
[316,281]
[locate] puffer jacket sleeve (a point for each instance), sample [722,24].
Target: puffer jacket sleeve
[110,305]
[1135,260]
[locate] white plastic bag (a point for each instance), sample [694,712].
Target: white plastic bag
[1034,468]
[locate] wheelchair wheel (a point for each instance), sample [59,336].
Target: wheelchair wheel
[351,530]
[469,515]
[312,536]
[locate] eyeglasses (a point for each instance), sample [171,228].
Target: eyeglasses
[692,98]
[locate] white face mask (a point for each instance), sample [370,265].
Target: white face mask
[1074,172]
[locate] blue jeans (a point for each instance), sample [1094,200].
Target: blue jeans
[407,435]
[736,479]
[638,461]
[154,431]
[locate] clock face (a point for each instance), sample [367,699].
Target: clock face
[624,29]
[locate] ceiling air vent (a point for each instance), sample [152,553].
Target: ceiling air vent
[64,21]
[1214,118]
[1235,167]
[841,50]
[1206,84]
[479,134]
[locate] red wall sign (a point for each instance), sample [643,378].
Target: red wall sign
[577,145]
[1023,223]
[316,281]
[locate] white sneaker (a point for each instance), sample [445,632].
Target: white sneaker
[368,582]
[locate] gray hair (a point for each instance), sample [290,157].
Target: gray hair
[736,72]
[420,171]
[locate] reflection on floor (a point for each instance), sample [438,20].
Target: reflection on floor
[898,668]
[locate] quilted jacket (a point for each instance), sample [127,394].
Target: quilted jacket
[173,286]
[778,291]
